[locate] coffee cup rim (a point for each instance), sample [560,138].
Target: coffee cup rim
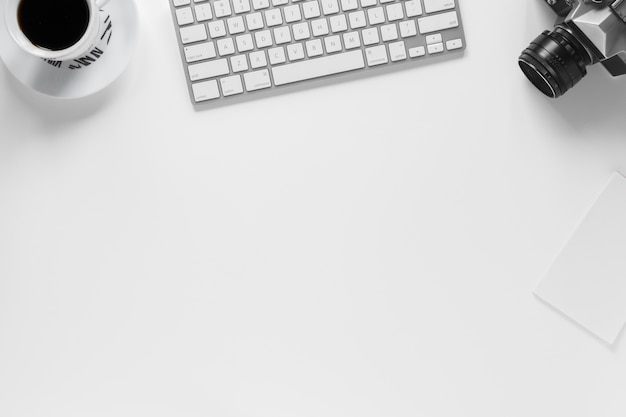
[88,38]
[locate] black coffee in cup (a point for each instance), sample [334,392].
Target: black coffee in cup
[53,24]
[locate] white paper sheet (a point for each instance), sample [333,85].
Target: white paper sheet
[587,281]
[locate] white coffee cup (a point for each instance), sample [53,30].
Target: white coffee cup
[90,39]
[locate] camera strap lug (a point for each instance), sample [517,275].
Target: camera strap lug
[619,8]
[561,7]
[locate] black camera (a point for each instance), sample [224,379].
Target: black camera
[586,32]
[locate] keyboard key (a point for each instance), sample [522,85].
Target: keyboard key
[295,52]
[395,12]
[438,22]
[319,27]
[311,9]
[239,63]
[332,44]
[236,25]
[408,29]
[190,34]
[184,16]
[277,55]
[454,44]
[376,55]
[277,3]
[330,7]
[226,46]
[200,52]
[258,59]
[301,31]
[205,91]
[389,32]
[231,85]
[257,80]
[263,39]
[319,67]
[435,48]
[433,6]
[314,48]
[260,4]
[357,19]
[368,3]
[179,3]
[208,69]
[413,8]
[370,36]
[397,51]
[222,8]
[255,21]
[217,29]
[244,43]
[436,38]
[282,35]
[203,12]
[292,13]
[348,5]
[338,23]
[351,40]
[417,52]
[241,6]
[273,17]
[376,16]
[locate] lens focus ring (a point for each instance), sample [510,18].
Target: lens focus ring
[555,61]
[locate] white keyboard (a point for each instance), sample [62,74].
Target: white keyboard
[234,50]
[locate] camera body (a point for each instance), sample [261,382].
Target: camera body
[586,32]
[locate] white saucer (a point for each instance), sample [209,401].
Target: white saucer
[37,74]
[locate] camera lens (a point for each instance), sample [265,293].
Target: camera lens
[555,61]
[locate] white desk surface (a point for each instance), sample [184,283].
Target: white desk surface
[363,249]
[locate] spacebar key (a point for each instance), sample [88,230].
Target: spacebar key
[318,67]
